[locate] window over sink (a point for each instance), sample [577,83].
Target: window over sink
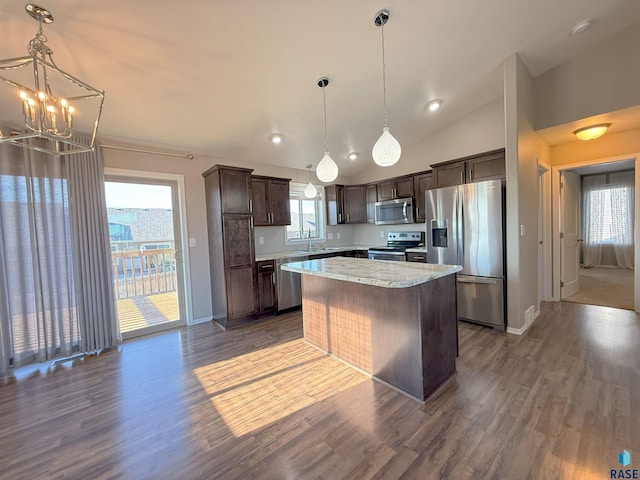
[307,222]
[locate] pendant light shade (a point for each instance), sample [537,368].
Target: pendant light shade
[386,151]
[310,191]
[327,169]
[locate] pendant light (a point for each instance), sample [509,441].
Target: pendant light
[386,151]
[327,170]
[310,191]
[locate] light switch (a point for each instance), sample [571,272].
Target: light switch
[260,240]
[522,230]
[330,236]
[338,235]
[192,242]
[381,234]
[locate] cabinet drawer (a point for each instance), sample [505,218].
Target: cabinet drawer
[416,257]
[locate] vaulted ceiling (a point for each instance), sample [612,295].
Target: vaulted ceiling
[218,77]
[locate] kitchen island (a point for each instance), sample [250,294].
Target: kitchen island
[395,321]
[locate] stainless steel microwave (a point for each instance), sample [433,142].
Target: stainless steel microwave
[391,212]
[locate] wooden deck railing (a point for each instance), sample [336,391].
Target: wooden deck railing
[143,272]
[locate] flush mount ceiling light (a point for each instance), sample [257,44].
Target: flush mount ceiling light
[276,138]
[581,26]
[310,191]
[386,151]
[52,105]
[434,105]
[592,132]
[353,156]
[327,170]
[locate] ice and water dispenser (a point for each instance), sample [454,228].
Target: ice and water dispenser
[439,237]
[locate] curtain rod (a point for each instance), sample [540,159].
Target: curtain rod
[151,152]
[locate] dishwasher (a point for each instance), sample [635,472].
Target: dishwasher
[289,284]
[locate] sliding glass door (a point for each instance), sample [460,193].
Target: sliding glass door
[145,254]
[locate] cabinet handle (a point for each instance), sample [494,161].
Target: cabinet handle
[417,258]
[269,218]
[251,205]
[471,174]
[339,217]
[266,267]
[417,211]
[347,218]
[461,176]
[251,222]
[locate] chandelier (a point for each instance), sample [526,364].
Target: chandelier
[48,106]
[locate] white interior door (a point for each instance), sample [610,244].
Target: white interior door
[569,233]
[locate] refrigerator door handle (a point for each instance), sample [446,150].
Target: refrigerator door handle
[487,281]
[459,226]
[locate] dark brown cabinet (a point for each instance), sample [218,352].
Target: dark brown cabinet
[267,296]
[475,168]
[489,166]
[449,174]
[335,204]
[416,257]
[399,187]
[231,248]
[270,201]
[354,204]
[421,183]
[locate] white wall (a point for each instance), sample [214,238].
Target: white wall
[604,79]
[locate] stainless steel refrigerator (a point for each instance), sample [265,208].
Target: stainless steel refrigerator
[465,226]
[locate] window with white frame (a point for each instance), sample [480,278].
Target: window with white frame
[307,221]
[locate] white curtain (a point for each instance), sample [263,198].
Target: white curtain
[44,289]
[608,213]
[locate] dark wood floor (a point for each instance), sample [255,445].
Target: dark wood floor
[258,402]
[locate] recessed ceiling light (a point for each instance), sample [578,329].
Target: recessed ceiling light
[592,132]
[581,26]
[434,105]
[352,156]
[276,138]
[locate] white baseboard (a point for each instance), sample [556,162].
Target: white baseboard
[530,315]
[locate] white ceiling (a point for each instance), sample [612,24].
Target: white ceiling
[218,77]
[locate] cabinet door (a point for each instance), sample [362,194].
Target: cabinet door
[260,189]
[386,190]
[239,265]
[371,195]
[449,174]
[486,167]
[235,190]
[267,298]
[279,202]
[404,187]
[335,204]
[354,204]
[422,183]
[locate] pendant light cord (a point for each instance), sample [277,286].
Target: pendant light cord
[384,79]
[324,102]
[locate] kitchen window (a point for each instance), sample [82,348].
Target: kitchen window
[306,215]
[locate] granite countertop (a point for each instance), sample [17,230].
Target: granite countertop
[378,273]
[303,253]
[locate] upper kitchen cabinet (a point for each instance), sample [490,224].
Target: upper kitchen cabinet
[335,204]
[475,168]
[231,248]
[355,204]
[235,189]
[448,174]
[487,166]
[421,183]
[371,197]
[270,201]
[399,187]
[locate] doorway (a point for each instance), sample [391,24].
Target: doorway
[144,231]
[597,219]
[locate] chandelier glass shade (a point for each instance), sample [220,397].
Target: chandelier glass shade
[386,151]
[327,169]
[44,102]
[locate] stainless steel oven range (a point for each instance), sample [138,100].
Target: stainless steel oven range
[397,244]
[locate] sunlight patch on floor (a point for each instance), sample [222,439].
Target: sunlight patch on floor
[253,390]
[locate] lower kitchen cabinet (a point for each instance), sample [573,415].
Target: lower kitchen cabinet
[267,294]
